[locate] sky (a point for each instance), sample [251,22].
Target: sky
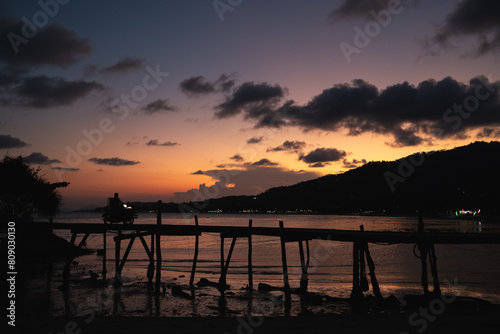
[189,100]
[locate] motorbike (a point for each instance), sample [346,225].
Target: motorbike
[125,215]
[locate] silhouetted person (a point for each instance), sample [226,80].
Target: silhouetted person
[117,211]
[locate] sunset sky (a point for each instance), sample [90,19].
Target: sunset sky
[184,100]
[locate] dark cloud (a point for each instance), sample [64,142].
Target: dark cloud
[198,172]
[37,158]
[237,157]
[293,146]
[51,45]
[405,137]
[353,9]
[225,83]
[263,162]
[319,165]
[256,100]
[113,161]
[488,133]
[323,155]
[7,141]
[44,92]
[412,114]
[255,140]
[123,66]
[11,76]
[155,142]
[353,163]
[66,169]
[158,106]
[476,18]
[199,85]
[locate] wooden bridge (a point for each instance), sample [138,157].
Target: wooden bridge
[423,240]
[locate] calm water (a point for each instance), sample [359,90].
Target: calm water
[475,267]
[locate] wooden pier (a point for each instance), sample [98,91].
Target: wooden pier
[424,242]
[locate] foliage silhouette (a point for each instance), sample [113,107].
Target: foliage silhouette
[24,192]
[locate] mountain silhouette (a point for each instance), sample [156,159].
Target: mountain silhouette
[440,182]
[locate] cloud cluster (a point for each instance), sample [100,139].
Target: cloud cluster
[291,146]
[123,66]
[51,45]
[237,158]
[37,158]
[156,142]
[488,133]
[24,48]
[412,114]
[254,100]
[255,140]
[199,85]
[354,163]
[159,106]
[472,18]
[320,157]
[113,161]
[262,162]
[7,141]
[44,92]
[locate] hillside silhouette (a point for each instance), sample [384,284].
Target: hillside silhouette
[441,182]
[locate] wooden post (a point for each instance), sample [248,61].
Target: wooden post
[283,258]
[158,249]
[221,255]
[356,291]
[117,257]
[250,269]
[225,264]
[308,254]
[423,247]
[371,267]
[50,244]
[104,255]
[433,263]
[423,261]
[125,255]
[151,254]
[303,278]
[195,259]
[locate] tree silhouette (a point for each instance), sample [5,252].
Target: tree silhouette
[24,192]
